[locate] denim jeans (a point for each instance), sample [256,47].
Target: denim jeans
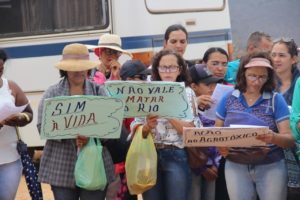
[201,188]
[173,176]
[244,182]
[62,193]
[10,175]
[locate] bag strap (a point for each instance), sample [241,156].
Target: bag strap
[273,101]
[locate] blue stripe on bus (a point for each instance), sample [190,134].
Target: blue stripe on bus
[136,42]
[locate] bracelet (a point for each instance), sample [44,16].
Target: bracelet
[25,115]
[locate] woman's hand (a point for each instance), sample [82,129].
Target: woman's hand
[268,138]
[204,101]
[210,174]
[15,120]
[151,123]
[81,141]
[115,67]
[224,151]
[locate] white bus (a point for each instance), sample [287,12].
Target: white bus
[34,32]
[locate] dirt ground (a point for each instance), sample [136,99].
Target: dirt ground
[23,193]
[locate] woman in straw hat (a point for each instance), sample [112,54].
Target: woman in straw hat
[109,50]
[59,156]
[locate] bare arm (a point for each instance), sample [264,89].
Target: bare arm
[224,151]
[283,139]
[19,119]
[179,124]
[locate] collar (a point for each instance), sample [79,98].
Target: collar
[266,95]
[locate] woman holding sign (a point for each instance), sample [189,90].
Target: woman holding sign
[258,170]
[11,96]
[173,171]
[59,156]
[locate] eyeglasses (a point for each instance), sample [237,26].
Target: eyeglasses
[171,68]
[253,77]
[110,51]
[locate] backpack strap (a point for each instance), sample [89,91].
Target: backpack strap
[273,101]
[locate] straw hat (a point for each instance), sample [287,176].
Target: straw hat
[75,57]
[110,41]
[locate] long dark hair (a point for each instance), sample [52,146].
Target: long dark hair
[175,27]
[3,55]
[211,50]
[183,76]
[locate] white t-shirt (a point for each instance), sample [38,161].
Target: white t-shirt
[8,136]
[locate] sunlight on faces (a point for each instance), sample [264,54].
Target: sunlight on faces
[217,64]
[282,59]
[168,61]
[177,41]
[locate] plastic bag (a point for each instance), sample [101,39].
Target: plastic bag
[89,168]
[141,164]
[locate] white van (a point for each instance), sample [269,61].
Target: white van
[35,32]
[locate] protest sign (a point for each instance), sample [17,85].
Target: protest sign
[91,116]
[166,99]
[223,136]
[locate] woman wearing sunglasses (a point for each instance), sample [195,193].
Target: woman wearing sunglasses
[263,170]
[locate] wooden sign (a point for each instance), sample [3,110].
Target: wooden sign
[223,136]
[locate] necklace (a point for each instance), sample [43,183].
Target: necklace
[250,98]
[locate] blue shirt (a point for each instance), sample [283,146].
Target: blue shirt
[281,111]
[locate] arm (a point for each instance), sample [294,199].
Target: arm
[179,124]
[295,115]
[224,151]
[283,139]
[23,118]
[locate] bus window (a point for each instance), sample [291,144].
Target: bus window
[33,17]
[179,6]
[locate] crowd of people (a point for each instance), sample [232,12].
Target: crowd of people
[266,93]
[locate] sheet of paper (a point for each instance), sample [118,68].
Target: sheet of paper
[217,95]
[8,108]
[245,126]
